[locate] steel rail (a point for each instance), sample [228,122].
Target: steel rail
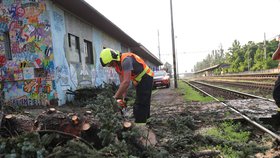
[230,90]
[266,86]
[238,112]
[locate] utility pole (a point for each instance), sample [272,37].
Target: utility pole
[158,45]
[173,47]
[176,53]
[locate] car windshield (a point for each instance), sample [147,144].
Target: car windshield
[160,73]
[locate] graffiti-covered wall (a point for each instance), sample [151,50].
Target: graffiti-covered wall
[85,74]
[26,55]
[58,32]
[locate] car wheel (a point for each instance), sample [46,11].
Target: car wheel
[167,86]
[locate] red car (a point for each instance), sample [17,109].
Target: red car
[161,78]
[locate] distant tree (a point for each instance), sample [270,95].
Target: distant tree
[216,57]
[250,49]
[258,59]
[248,57]
[271,47]
[235,57]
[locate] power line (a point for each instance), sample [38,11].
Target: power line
[273,37]
[190,52]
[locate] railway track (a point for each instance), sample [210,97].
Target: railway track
[215,92]
[254,85]
[263,81]
[227,93]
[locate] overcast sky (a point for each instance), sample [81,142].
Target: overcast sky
[199,25]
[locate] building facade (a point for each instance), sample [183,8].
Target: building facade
[46,49]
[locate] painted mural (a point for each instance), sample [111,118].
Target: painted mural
[27,75]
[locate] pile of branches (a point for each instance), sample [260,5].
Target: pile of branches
[85,96]
[98,130]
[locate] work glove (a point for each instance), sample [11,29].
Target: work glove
[121,103]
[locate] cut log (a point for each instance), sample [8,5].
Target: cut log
[51,110]
[18,123]
[85,126]
[127,124]
[9,116]
[75,119]
[205,153]
[88,112]
[148,137]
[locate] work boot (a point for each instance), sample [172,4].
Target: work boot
[148,137]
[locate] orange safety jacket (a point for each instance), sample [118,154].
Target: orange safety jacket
[136,78]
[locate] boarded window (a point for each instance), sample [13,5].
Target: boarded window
[88,52]
[5,45]
[74,45]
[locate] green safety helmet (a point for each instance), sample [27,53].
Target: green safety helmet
[107,55]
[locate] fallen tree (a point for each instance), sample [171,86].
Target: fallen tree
[96,125]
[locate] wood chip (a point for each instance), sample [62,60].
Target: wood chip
[9,116]
[75,119]
[86,126]
[127,124]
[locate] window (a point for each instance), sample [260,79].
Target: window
[5,44]
[74,46]
[88,52]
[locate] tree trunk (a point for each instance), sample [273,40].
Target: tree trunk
[15,124]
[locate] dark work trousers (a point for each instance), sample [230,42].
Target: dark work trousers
[276,92]
[141,109]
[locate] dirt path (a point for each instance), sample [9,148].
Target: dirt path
[167,102]
[170,102]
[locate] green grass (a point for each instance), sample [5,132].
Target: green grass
[191,95]
[230,132]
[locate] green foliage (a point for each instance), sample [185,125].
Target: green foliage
[231,141]
[230,132]
[115,141]
[106,110]
[179,131]
[241,58]
[190,94]
[216,57]
[228,151]
[74,148]
[27,145]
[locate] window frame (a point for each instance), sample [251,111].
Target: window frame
[77,44]
[89,58]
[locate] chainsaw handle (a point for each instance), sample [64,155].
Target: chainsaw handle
[121,103]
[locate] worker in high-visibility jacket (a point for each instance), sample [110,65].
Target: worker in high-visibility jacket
[131,67]
[276,90]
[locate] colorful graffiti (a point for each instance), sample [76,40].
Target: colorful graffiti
[108,75]
[62,75]
[58,19]
[28,78]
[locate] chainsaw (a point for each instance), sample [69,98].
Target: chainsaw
[123,107]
